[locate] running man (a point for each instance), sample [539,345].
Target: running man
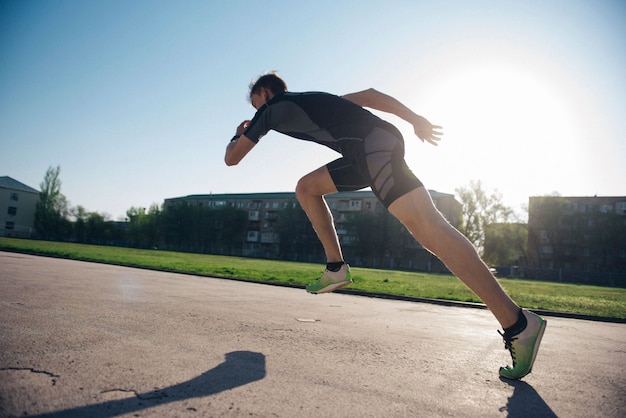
[372,155]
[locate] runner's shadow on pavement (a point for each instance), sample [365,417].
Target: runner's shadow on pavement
[525,402]
[239,369]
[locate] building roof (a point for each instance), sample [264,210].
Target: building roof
[288,195]
[578,197]
[7,182]
[214,196]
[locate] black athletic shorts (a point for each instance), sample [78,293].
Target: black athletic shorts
[376,162]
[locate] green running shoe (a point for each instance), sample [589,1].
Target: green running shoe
[331,280]
[523,347]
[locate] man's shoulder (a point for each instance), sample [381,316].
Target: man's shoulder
[294,95]
[309,98]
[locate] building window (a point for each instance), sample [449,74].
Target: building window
[355,204]
[15,197]
[270,238]
[9,225]
[12,211]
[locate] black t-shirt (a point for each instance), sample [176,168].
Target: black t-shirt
[319,117]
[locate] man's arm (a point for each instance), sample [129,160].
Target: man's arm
[239,146]
[374,99]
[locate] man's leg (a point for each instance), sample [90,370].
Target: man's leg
[310,191]
[418,213]
[523,330]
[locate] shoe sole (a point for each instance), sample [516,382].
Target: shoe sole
[331,287]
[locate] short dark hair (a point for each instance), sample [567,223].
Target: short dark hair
[270,81]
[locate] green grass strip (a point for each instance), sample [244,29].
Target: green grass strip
[571,298]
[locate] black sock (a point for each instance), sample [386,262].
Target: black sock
[334,266]
[519,326]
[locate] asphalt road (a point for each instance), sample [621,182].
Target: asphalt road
[89,340]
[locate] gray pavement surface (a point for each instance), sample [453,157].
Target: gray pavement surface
[89,340]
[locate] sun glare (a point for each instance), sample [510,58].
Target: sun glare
[503,124]
[507,106]
[508,126]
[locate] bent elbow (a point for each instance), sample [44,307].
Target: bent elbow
[231,158]
[371,95]
[230,161]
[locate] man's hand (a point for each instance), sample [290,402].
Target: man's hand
[242,127]
[239,146]
[426,131]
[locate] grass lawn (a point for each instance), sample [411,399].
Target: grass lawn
[582,299]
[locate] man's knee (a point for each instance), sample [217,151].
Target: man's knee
[303,188]
[317,183]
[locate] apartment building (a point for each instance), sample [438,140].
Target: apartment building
[17,208]
[263,211]
[574,235]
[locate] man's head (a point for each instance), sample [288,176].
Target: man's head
[266,87]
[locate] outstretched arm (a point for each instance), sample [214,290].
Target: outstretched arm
[239,146]
[374,99]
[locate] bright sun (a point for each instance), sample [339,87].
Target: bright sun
[508,126]
[506,106]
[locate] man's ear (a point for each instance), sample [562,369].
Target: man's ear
[267,94]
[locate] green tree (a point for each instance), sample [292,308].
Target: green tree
[227,229]
[145,228]
[606,233]
[479,209]
[177,224]
[95,228]
[545,234]
[298,240]
[505,243]
[199,229]
[52,207]
[377,238]
[369,237]
[80,225]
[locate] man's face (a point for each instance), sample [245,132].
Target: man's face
[259,99]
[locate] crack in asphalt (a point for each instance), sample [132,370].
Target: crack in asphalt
[33,370]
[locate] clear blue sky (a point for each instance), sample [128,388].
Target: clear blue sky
[136,100]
